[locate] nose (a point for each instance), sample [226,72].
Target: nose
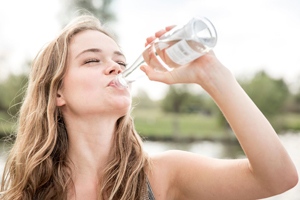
[113,68]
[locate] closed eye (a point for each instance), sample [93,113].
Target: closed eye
[92,60]
[122,64]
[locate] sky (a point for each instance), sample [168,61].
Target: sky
[252,35]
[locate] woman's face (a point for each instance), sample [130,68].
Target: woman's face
[94,59]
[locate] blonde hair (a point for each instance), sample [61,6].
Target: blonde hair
[37,166]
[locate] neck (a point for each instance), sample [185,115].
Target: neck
[90,145]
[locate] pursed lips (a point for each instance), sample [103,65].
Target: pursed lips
[113,84]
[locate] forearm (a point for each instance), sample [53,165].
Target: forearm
[268,160]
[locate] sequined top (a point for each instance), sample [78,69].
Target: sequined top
[150,195]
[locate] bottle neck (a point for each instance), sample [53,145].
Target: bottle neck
[120,82]
[133,67]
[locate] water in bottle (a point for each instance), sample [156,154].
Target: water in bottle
[176,48]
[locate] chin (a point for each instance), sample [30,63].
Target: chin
[122,112]
[123,105]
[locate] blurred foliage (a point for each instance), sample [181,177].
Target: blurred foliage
[99,8]
[175,98]
[269,94]
[155,124]
[272,96]
[181,104]
[142,100]
[181,99]
[293,103]
[12,93]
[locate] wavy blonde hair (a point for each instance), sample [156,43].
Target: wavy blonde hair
[37,166]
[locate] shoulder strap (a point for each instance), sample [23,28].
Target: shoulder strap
[150,192]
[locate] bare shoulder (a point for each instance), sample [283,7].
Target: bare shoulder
[162,171]
[169,161]
[173,159]
[185,175]
[169,168]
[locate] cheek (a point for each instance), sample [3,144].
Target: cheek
[81,92]
[81,85]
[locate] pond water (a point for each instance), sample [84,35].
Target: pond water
[291,141]
[217,150]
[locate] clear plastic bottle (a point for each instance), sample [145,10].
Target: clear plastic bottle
[177,47]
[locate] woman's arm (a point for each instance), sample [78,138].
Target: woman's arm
[268,169]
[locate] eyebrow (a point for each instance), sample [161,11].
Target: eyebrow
[96,50]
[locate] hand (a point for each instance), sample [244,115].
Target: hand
[199,71]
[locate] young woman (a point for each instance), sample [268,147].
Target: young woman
[76,139]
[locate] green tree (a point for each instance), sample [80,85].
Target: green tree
[268,94]
[142,100]
[175,99]
[173,103]
[293,103]
[99,8]
[12,93]
[297,102]
[179,99]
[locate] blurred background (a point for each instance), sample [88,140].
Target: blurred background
[258,41]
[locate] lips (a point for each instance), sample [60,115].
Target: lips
[112,83]
[118,83]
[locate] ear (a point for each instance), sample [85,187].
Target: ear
[60,101]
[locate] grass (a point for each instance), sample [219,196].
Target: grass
[159,125]
[153,122]
[291,122]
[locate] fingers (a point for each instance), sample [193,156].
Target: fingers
[168,28]
[158,34]
[149,40]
